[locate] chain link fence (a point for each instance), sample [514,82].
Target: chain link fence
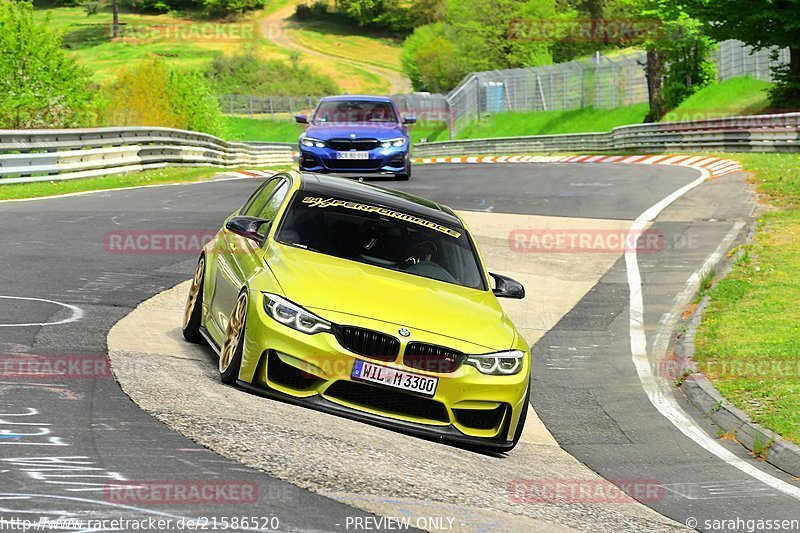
[601,82]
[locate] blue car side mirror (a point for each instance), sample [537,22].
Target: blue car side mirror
[409,119]
[301,119]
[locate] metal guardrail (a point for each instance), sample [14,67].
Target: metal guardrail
[47,155]
[755,133]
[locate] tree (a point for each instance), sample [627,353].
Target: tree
[761,24]
[152,94]
[678,51]
[430,59]
[39,85]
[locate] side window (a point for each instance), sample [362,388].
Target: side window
[256,202]
[270,209]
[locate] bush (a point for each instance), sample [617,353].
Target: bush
[225,8]
[40,87]
[249,74]
[430,60]
[152,94]
[312,11]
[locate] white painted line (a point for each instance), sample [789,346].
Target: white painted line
[77,312]
[230,176]
[657,390]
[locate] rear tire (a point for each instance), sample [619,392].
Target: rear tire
[193,314]
[230,357]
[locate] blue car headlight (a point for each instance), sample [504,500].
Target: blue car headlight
[293,315]
[311,142]
[498,363]
[397,143]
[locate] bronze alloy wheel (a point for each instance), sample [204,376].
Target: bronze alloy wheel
[194,291]
[233,333]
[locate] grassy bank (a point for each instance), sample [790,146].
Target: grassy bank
[148,177]
[749,339]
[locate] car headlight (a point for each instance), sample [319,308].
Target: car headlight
[293,315]
[499,363]
[397,143]
[310,141]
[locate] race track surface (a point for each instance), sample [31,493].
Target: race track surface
[63,440]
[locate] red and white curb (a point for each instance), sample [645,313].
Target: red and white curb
[716,166]
[252,173]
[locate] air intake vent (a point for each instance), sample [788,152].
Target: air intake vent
[431,357]
[368,343]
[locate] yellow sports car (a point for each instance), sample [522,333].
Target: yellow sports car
[365,302]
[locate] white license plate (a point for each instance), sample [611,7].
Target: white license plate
[352,155]
[392,377]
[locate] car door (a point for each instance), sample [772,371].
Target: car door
[236,258]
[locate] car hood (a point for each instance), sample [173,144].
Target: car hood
[321,282]
[331,131]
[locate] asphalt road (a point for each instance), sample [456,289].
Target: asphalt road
[62,441]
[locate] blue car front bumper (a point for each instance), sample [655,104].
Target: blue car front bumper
[325,159]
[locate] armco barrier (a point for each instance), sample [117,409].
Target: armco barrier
[46,155]
[755,133]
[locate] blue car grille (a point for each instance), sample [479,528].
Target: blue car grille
[344,145]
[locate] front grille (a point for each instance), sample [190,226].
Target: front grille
[480,418]
[344,145]
[287,375]
[387,400]
[431,357]
[368,343]
[360,164]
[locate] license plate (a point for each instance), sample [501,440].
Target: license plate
[392,377]
[352,155]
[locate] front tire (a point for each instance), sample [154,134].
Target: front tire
[193,314]
[230,357]
[404,176]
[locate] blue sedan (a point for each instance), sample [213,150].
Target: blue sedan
[356,134]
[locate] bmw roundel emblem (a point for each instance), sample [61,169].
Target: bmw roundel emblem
[352,135]
[404,332]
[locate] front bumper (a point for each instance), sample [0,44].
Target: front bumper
[315,370]
[380,160]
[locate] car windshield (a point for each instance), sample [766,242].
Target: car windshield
[350,111]
[382,237]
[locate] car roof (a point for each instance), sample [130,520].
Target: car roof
[358,97]
[377,195]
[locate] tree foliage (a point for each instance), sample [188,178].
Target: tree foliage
[39,85]
[153,94]
[249,74]
[761,24]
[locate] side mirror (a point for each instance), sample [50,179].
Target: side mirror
[301,119]
[506,287]
[409,119]
[247,227]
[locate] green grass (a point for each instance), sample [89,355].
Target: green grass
[183,40]
[262,129]
[337,38]
[512,124]
[736,96]
[749,339]
[15,191]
